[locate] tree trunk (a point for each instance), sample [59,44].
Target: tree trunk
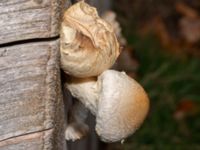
[31,105]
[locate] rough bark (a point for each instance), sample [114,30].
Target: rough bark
[30,93]
[31,105]
[28,19]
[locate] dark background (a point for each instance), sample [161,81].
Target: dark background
[163,48]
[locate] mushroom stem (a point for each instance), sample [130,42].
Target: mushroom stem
[86,90]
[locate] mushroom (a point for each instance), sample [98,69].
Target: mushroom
[88,43]
[119,103]
[89,47]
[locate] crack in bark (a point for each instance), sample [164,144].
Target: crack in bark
[26,134]
[29,41]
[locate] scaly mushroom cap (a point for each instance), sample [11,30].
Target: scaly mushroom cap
[122,107]
[88,43]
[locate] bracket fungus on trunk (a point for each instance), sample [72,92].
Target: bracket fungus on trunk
[88,49]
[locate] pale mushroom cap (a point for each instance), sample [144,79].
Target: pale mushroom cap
[119,103]
[88,43]
[122,107]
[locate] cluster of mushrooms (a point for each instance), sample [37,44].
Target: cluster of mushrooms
[89,47]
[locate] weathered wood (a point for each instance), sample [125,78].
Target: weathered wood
[31,106]
[35,141]
[30,95]
[29,19]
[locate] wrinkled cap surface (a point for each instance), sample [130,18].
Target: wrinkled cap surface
[88,43]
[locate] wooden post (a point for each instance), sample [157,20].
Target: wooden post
[31,105]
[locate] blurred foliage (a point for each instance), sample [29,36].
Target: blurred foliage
[131,12]
[168,80]
[176,23]
[172,80]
